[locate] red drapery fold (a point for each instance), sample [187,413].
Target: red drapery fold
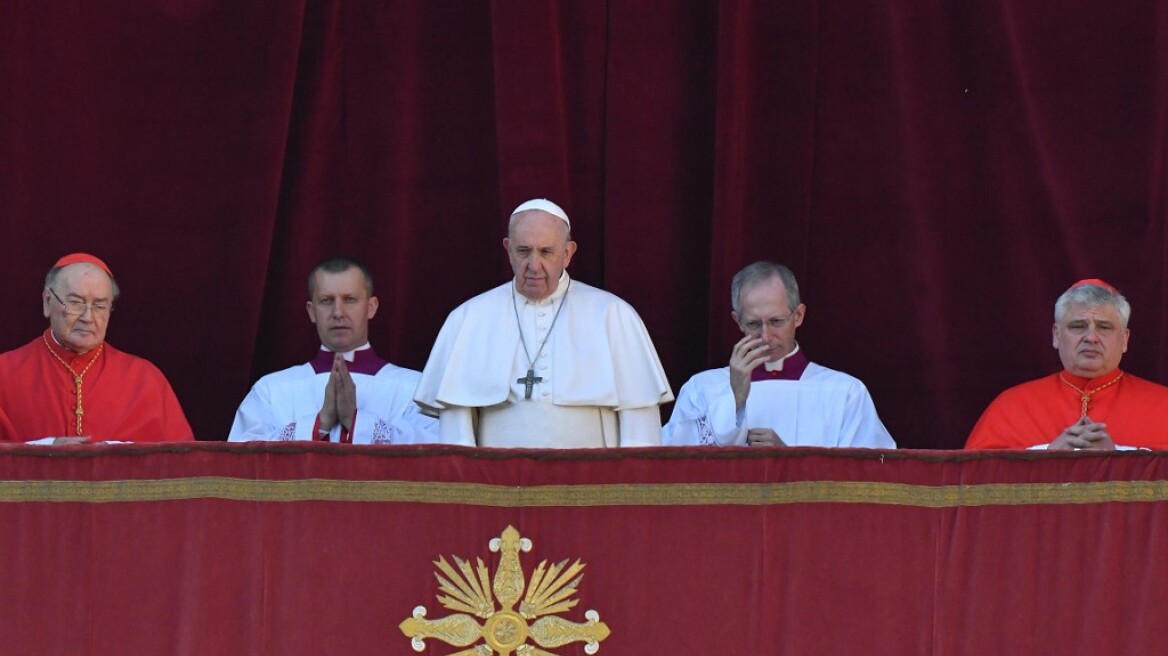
[935,173]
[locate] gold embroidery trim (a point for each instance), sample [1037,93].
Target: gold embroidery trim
[653,494]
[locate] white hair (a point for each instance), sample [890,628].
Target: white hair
[1091,295]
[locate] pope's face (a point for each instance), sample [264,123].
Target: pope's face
[540,250]
[341,308]
[1090,339]
[765,314]
[86,286]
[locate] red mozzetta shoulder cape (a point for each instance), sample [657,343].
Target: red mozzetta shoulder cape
[1135,411]
[125,398]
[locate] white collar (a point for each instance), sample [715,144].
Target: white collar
[777,365]
[561,289]
[348,355]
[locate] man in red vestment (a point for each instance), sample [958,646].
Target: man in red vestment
[1091,403]
[71,385]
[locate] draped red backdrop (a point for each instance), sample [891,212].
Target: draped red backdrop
[936,173]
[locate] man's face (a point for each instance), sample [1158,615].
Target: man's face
[1090,339]
[79,284]
[765,314]
[540,251]
[341,309]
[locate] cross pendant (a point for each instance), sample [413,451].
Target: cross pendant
[528,381]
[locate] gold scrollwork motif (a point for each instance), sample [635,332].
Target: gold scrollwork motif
[471,592]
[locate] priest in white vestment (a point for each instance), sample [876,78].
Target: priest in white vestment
[347,393]
[771,394]
[544,361]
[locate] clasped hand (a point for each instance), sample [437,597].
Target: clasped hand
[1083,434]
[340,397]
[763,437]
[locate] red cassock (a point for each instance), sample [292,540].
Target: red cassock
[1135,411]
[124,397]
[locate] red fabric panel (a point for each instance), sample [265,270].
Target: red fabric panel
[226,549]
[936,173]
[1063,579]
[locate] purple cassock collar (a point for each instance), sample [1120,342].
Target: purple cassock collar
[365,361]
[793,368]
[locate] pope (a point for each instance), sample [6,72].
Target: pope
[543,360]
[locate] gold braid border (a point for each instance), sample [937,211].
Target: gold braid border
[669,494]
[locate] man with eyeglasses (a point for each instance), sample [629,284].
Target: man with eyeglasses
[70,385]
[771,394]
[347,393]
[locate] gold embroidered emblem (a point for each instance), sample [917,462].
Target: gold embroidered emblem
[505,630]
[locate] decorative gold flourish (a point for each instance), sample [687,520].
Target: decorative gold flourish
[468,591]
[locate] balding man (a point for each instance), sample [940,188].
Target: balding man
[70,384]
[544,361]
[771,394]
[1091,403]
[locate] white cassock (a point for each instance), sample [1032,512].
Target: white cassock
[284,405]
[823,407]
[600,381]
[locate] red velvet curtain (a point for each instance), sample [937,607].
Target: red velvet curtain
[936,173]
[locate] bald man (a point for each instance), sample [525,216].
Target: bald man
[771,394]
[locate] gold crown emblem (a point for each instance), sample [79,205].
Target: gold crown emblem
[505,630]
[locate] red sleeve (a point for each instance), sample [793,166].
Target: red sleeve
[1021,417]
[7,431]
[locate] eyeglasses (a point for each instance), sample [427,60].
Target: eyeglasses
[776,323]
[75,308]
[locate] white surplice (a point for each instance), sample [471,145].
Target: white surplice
[823,407]
[600,379]
[284,405]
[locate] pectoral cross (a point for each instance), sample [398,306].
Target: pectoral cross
[528,381]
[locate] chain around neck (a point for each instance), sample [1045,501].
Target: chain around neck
[78,378]
[519,324]
[1084,394]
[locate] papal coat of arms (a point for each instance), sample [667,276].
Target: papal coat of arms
[505,629]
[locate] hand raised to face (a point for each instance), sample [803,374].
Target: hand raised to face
[750,352]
